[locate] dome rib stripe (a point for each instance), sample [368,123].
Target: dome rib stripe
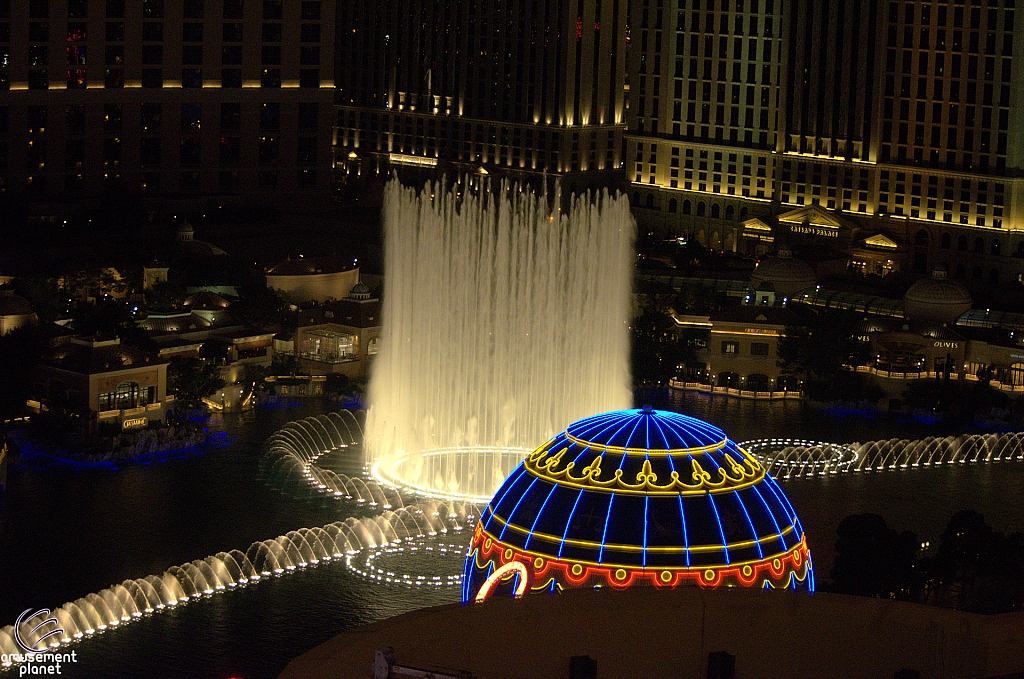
[686,537]
[540,512]
[750,522]
[512,514]
[568,523]
[786,507]
[661,432]
[632,433]
[647,501]
[718,520]
[682,519]
[492,506]
[600,554]
[768,511]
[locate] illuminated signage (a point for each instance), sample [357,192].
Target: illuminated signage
[759,331]
[403,159]
[134,423]
[946,345]
[814,230]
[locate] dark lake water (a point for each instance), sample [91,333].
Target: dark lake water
[67,532]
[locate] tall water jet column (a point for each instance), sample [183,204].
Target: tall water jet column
[504,320]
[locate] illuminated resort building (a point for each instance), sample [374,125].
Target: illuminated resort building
[637,497]
[171,99]
[340,337]
[526,88]
[116,385]
[897,117]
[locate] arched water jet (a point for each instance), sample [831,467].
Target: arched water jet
[133,599]
[788,458]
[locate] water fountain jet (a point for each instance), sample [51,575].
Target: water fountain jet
[505,318]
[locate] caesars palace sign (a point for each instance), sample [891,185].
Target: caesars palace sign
[828,232]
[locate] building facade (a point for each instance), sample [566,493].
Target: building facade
[166,99]
[743,347]
[340,337]
[114,384]
[904,113]
[514,86]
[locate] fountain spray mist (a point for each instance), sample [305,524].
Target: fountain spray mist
[505,319]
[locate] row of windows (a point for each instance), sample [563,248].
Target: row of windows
[190,181]
[152,114]
[958,15]
[113,55]
[39,79]
[976,69]
[154,32]
[154,9]
[732,348]
[190,151]
[973,44]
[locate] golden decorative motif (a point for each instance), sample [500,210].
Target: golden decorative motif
[732,475]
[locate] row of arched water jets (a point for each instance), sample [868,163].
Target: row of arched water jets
[789,458]
[292,454]
[292,450]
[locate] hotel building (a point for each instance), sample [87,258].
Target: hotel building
[522,87]
[181,99]
[904,116]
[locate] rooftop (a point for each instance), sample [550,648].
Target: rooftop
[309,266]
[89,357]
[643,632]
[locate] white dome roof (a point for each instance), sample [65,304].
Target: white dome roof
[788,275]
[936,300]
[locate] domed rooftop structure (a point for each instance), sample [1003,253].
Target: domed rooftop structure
[936,300]
[359,291]
[185,232]
[12,304]
[788,275]
[637,496]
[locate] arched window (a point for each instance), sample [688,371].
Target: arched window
[961,243]
[743,213]
[946,241]
[700,209]
[125,395]
[686,211]
[921,238]
[650,201]
[995,247]
[979,245]
[636,199]
[672,205]
[730,212]
[716,210]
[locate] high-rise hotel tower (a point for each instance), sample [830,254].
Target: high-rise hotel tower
[508,86]
[903,118]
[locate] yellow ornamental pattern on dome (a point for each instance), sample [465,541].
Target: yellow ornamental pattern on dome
[732,475]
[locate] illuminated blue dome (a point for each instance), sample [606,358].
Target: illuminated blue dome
[637,495]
